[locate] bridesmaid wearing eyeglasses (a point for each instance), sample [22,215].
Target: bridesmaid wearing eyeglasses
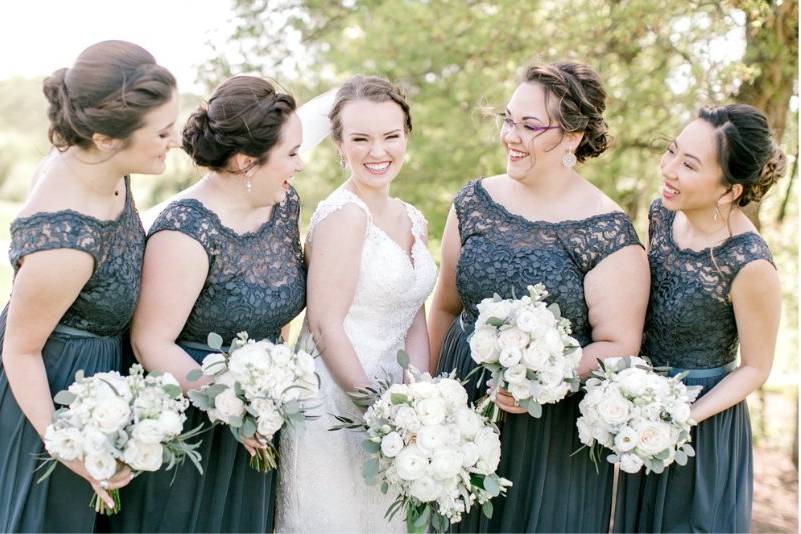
[541,221]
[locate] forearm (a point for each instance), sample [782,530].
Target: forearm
[339,356]
[599,350]
[27,377]
[735,387]
[417,341]
[167,357]
[439,321]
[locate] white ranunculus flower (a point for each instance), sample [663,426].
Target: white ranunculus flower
[520,390]
[515,374]
[468,422]
[65,444]
[280,354]
[269,422]
[111,414]
[431,438]
[535,357]
[498,310]
[526,320]
[631,463]
[213,363]
[431,411]
[148,431]
[483,345]
[552,341]
[510,357]
[425,489]
[100,466]
[550,377]
[446,463]
[626,439]
[143,456]
[251,357]
[614,409]
[489,451]
[632,381]
[453,392]
[679,411]
[512,338]
[391,444]
[423,390]
[228,405]
[406,419]
[654,437]
[170,423]
[469,454]
[411,463]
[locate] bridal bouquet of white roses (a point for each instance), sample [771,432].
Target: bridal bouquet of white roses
[135,420]
[641,416]
[255,389]
[527,348]
[425,442]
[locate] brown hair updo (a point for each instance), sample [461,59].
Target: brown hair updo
[576,100]
[109,90]
[245,115]
[372,89]
[746,151]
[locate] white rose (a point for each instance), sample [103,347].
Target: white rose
[64,444]
[512,338]
[549,377]
[431,411]
[626,439]
[489,451]
[446,463]
[632,381]
[679,411]
[453,392]
[468,422]
[489,308]
[252,356]
[422,390]
[411,463]
[535,356]
[100,466]
[406,419]
[425,489]
[631,463]
[280,354]
[148,431]
[391,444]
[510,357]
[520,390]
[469,454]
[143,456]
[516,374]
[111,384]
[526,320]
[614,409]
[269,422]
[111,414]
[213,363]
[170,423]
[654,437]
[483,345]
[552,341]
[228,405]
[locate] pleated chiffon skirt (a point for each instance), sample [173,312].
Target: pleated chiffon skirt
[60,503]
[553,489]
[229,496]
[712,493]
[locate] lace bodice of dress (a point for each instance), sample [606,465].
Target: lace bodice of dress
[391,286]
[256,280]
[690,321]
[503,253]
[106,303]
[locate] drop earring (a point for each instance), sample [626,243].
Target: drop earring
[569,159]
[342,161]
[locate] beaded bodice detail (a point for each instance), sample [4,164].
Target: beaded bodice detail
[690,322]
[503,253]
[107,301]
[256,280]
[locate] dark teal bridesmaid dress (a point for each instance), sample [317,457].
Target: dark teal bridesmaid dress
[503,253]
[256,282]
[691,326]
[88,337]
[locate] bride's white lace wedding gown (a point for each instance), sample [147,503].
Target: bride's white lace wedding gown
[321,488]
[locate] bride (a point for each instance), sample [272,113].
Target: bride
[369,275]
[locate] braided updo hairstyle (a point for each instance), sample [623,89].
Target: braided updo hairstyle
[747,153]
[576,100]
[245,115]
[109,90]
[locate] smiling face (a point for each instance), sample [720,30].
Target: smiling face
[270,181]
[145,151]
[373,141]
[691,171]
[532,140]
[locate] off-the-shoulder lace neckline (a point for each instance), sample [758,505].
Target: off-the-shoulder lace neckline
[566,222]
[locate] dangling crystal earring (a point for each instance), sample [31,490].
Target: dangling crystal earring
[342,161]
[249,185]
[569,159]
[717,213]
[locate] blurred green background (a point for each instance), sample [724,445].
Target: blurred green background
[659,61]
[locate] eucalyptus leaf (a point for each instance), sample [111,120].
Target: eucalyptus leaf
[423,519]
[681,457]
[486,509]
[613,458]
[248,427]
[215,341]
[65,397]
[555,310]
[371,446]
[398,398]
[172,390]
[291,407]
[370,470]
[494,321]
[194,375]
[384,487]
[403,359]
[492,486]
[535,409]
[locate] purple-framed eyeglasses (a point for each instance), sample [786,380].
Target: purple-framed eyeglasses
[525,130]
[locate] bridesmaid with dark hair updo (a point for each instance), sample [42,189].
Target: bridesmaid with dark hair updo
[76,249]
[224,256]
[541,222]
[714,288]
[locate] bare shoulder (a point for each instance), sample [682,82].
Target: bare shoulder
[594,202]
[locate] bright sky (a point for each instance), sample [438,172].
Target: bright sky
[40,36]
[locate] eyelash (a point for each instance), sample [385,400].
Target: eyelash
[673,152]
